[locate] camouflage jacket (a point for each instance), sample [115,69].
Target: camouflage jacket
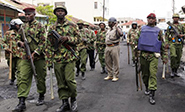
[11,37]
[100,40]
[132,34]
[170,33]
[149,55]
[84,34]
[36,37]
[61,54]
[92,40]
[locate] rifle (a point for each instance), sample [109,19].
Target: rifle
[10,63]
[128,54]
[28,52]
[175,31]
[183,8]
[57,36]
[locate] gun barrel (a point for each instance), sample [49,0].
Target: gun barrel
[27,48]
[57,36]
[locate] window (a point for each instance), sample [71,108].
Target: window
[127,26]
[59,4]
[46,4]
[121,21]
[95,5]
[94,19]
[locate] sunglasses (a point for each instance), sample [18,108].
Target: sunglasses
[151,17]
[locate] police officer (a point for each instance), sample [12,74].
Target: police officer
[90,48]
[10,37]
[176,44]
[82,48]
[63,59]
[132,33]
[35,35]
[112,50]
[100,45]
[150,35]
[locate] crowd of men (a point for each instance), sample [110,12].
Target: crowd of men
[30,50]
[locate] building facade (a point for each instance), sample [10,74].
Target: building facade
[88,10]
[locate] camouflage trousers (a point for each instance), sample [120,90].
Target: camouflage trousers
[65,73]
[133,54]
[175,55]
[101,57]
[25,74]
[81,63]
[149,71]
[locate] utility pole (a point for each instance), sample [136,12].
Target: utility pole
[173,6]
[103,10]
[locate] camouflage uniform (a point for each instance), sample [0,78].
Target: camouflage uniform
[10,36]
[132,33]
[149,63]
[175,47]
[63,59]
[90,48]
[24,76]
[82,48]
[100,46]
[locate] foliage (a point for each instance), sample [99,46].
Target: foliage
[47,10]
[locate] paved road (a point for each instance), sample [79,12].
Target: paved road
[97,95]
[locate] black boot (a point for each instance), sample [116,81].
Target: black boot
[73,105]
[11,82]
[133,64]
[40,100]
[83,75]
[175,73]
[21,106]
[64,107]
[172,73]
[151,97]
[103,70]
[147,91]
[77,72]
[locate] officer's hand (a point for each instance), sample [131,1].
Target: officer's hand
[63,39]
[181,35]
[165,62]
[167,46]
[9,50]
[20,44]
[32,55]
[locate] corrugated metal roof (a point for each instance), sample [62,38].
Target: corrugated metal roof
[139,22]
[11,7]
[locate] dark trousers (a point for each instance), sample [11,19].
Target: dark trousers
[91,58]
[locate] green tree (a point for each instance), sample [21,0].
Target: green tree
[47,10]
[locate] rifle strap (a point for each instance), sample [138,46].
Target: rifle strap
[35,33]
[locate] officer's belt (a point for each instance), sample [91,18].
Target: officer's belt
[112,45]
